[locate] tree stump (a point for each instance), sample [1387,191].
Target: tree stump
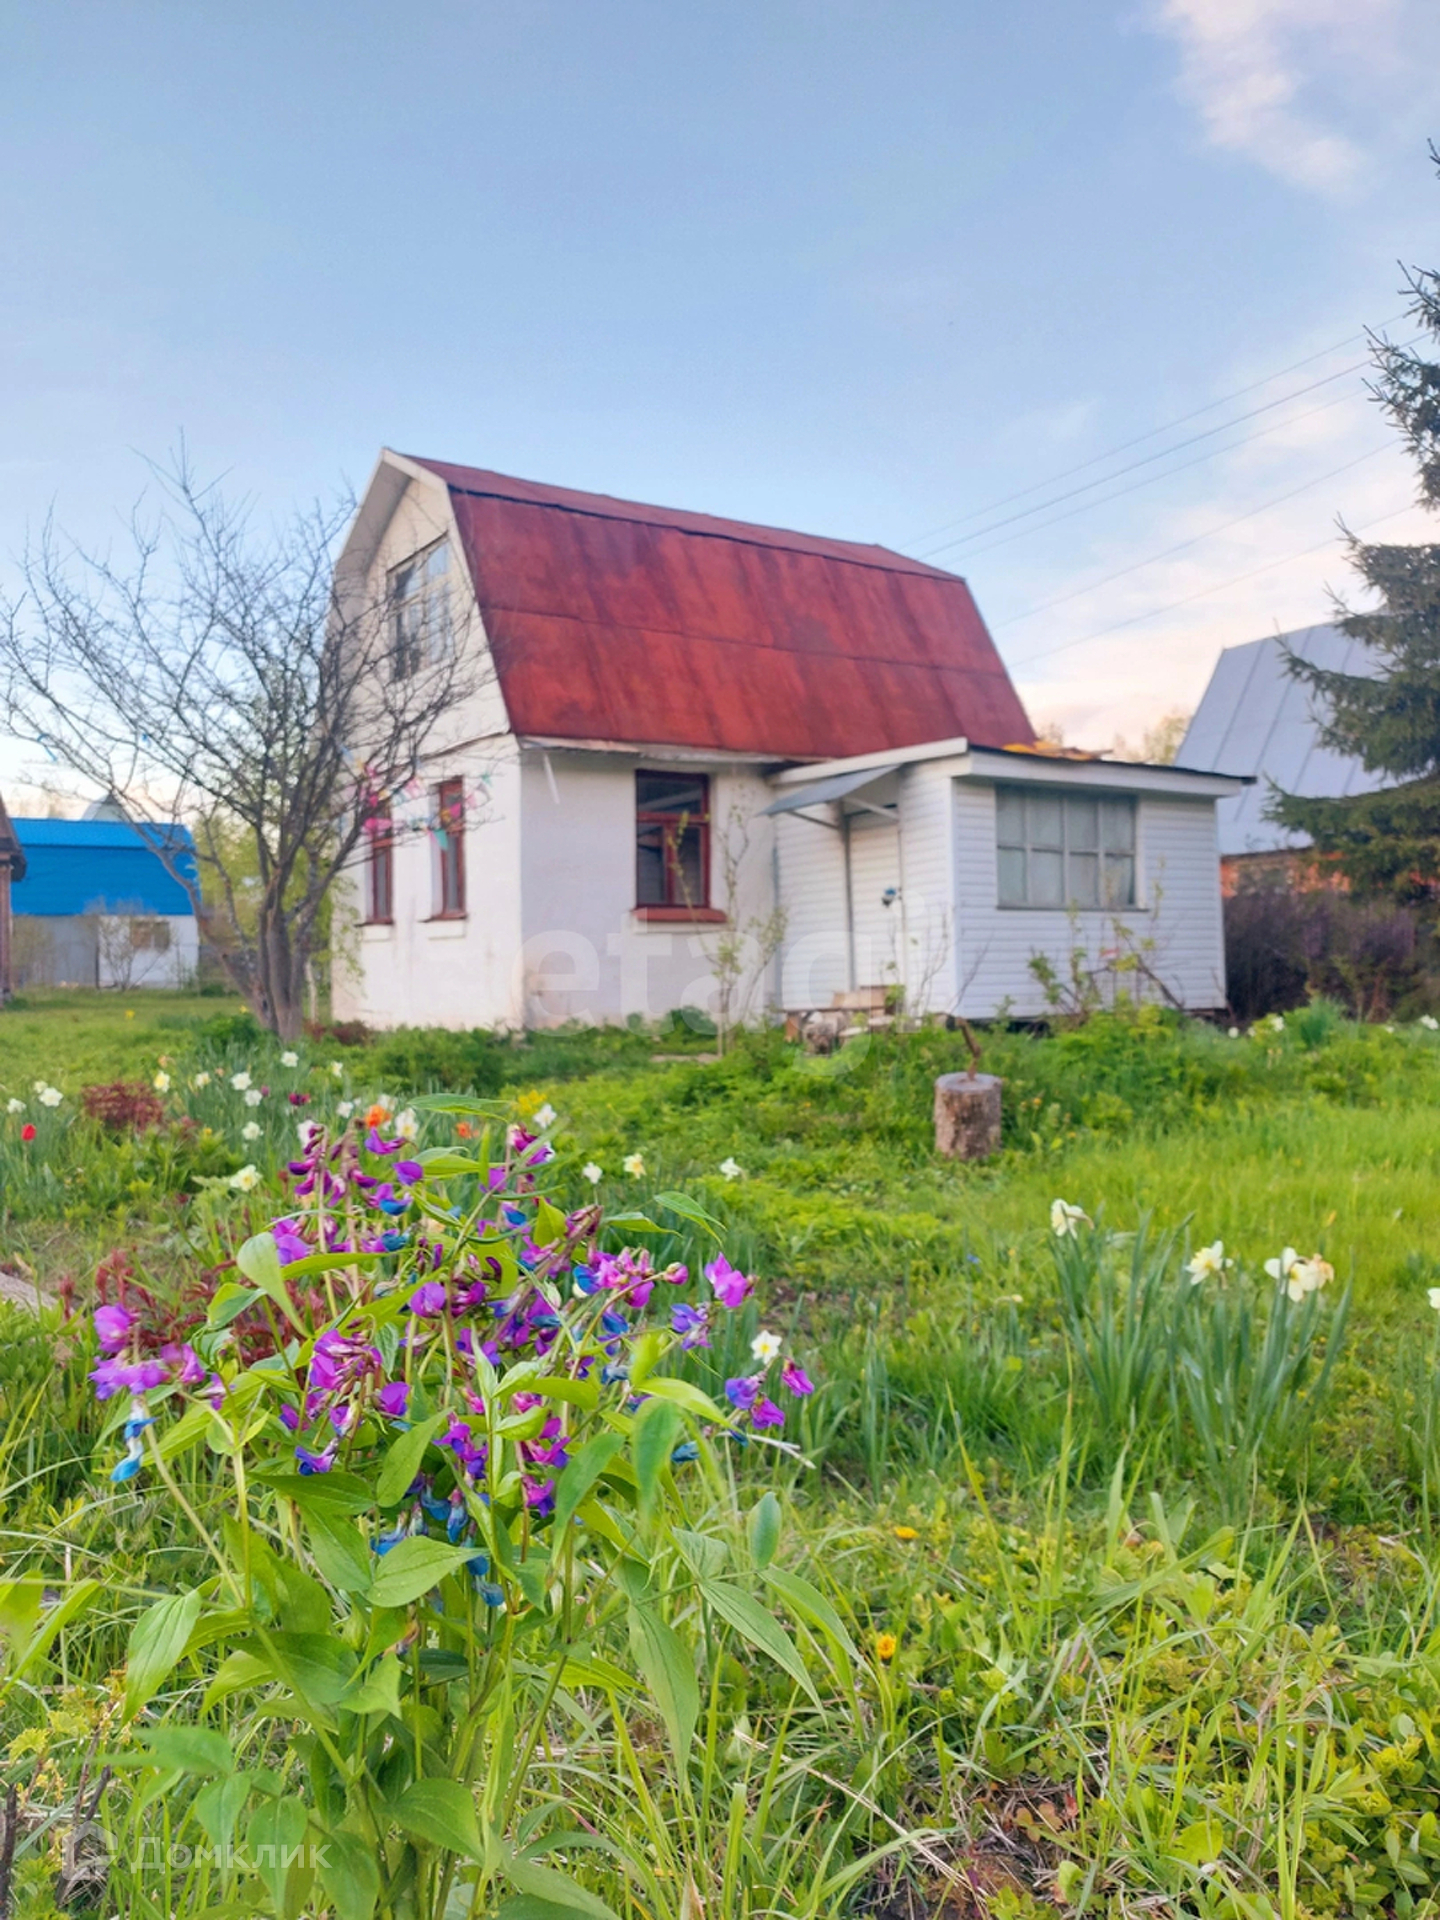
[967,1115]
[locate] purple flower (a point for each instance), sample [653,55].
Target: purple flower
[428,1300]
[796,1378]
[692,1324]
[289,1243]
[192,1370]
[409,1171]
[393,1398]
[374,1144]
[741,1393]
[731,1286]
[312,1462]
[765,1413]
[298,1099]
[112,1327]
[290,1419]
[114,1376]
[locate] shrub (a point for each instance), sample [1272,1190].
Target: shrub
[1282,946]
[123,1106]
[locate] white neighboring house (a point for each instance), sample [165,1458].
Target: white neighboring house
[680,725]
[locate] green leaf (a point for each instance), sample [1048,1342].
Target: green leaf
[442,1165]
[402,1460]
[554,1889]
[202,1750]
[764,1529]
[683,1393]
[378,1691]
[579,1393]
[77,1598]
[219,1806]
[759,1627]
[275,1831]
[656,1426]
[342,1555]
[549,1225]
[157,1642]
[328,1263]
[229,1303]
[441,1812]
[413,1567]
[455,1103]
[332,1494]
[634,1223]
[807,1603]
[691,1210]
[669,1672]
[259,1260]
[315,1665]
[349,1875]
[579,1476]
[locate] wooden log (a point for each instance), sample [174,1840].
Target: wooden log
[967,1115]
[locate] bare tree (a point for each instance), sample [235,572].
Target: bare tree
[222,680]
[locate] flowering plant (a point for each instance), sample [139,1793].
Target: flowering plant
[455,1463]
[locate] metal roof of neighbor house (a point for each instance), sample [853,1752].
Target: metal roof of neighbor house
[620,622]
[1254,719]
[85,866]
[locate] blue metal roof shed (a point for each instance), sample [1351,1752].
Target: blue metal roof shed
[88,866]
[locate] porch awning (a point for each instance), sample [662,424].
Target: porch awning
[835,788]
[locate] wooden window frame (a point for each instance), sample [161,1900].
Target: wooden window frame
[673,821]
[1028,846]
[449,840]
[380,867]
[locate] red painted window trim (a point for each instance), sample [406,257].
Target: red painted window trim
[675,906]
[380,869]
[696,916]
[450,872]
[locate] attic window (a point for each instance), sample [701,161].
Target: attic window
[421,633]
[1064,849]
[672,841]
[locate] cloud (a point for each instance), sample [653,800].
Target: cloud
[1269,77]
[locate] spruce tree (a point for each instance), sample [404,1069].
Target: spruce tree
[1389,841]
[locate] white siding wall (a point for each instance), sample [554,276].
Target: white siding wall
[1177,920]
[812,888]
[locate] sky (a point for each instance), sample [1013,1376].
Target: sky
[909,273]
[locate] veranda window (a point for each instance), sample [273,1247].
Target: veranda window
[1064,849]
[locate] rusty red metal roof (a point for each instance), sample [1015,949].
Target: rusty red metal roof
[620,622]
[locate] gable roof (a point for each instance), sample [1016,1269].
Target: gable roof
[87,866]
[1255,719]
[613,621]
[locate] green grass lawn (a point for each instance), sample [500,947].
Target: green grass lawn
[1104,1628]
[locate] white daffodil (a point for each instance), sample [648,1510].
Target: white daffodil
[289,1059]
[239,1081]
[1430,1023]
[545,1116]
[1310,1276]
[161,1083]
[732,1168]
[337,1069]
[1064,1218]
[406,1123]
[14,1106]
[634,1163]
[1277,1023]
[39,1086]
[1233,1032]
[1434,1296]
[593,1173]
[1284,1266]
[246,1180]
[253,1096]
[250,1130]
[345,1108]
[200,1080]
[1208,1263]
[765,1347]
[51,1097]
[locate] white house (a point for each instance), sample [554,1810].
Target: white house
[685,732]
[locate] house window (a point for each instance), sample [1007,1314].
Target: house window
[449,836]
[672,840]
[380,865]
[150,936]
[420,611]
[1064,849]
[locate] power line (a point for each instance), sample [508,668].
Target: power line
[1219,587]
[1210,533]
[1140,438]
[1163,453]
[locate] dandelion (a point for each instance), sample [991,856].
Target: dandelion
[246,1180]
[766,1347]
[886,1646]
[337,1069]
[240,1081]
[129,1013]
[250,1130]
[1065,1219]
[1208,1263]
[905,1533]
[14,1106]
[732,1168]
[634,1164]
[51,1097]
[161,1083]
[200,1080]
[545,1116]
[593,1173]
[253,1096]
[289,1059]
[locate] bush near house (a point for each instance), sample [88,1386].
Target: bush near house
[1097,1569]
